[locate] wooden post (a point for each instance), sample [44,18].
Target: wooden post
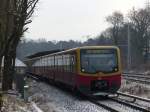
[1,101]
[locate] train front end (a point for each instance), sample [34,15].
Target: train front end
[99,70]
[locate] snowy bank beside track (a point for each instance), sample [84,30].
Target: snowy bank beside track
[135,88]
[51,99]
[48,97]
[15,104]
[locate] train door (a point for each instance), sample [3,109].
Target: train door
[71,68]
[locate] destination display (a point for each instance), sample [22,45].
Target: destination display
[99,51]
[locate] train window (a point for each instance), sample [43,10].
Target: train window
[62,63]
[40,62]
[43,63]
[59,63]
[56,62]
[99,61]
[59,60]
[66,63]
[73,63]
[52,62]
[49,62]
[43,66]
[62,66]
[46,63]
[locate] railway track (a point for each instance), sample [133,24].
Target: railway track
[133,97]
[98,103]
[145,74]
[141,78]
[116,104]
[132,102]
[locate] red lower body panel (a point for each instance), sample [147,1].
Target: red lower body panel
[99,84]
[87,84]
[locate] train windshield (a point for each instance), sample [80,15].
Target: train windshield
[96,60]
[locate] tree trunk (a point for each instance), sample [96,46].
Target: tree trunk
[8,75]
[13,57]
[1,69]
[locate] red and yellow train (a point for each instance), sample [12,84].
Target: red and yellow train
[89,69]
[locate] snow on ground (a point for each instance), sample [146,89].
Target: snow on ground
[135,88]
[51,99]
[46,98]
[15,104]
[138,89]
[146,72]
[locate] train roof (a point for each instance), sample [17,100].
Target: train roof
[43,53]
[47,53]
[93,47]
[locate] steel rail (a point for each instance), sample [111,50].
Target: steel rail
[141,76]
[96,102]
[134,97]
[134,73]
[120,101]
[129,104]
[136,76]
[137,80]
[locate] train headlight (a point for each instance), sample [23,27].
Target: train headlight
[116,69]
[83,70]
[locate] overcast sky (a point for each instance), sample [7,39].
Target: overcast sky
[75,19]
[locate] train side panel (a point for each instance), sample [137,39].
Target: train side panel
[66,68]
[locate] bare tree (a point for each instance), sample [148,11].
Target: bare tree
[116,20]
[16,14]
[140,20]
